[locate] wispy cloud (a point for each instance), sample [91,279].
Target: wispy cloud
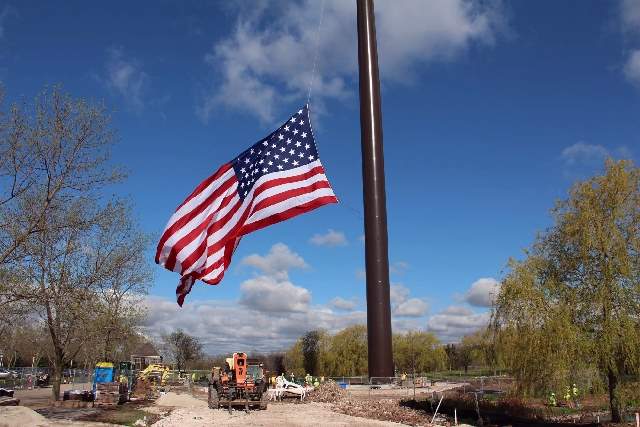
[344,304]
[126,78]
[266,61]
[455,321]
[403,306]
[330,238]
[632,68]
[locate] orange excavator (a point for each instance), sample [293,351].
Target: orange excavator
[242,382]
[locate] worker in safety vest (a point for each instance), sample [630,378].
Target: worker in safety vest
[552,399]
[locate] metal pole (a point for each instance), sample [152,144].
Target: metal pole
[375,211]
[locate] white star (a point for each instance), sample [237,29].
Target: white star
[246,175]
[288,140]
[270,163]
[311,157]
[295,163]
[280,137]
[301,122]
[252,151]
[268,153]
[246,160]
[293,119]
[261,161]
[286,160]
[264,170]
[304,134]
[295,131]
[292,152]
[242,185]
[273,145]
[301,155]
[299,111]
[265,143]
[307,146]
[298,143]
[286,127]
[245,193]
[277,156]
[282,149]
[280,167]
[242,170]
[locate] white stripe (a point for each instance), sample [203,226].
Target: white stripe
[289,186]
[195,243]
[200,197]
[288,204]
[193,223]
[214,274]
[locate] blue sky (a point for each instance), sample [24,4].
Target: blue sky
[491,110]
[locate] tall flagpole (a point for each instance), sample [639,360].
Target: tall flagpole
[375,209]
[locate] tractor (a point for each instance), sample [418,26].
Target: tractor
[242,382]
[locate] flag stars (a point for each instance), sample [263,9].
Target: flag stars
[286,160]
[293,120]
[295,131]
[298,143]
[265,170]
[301,122]
[304,134]
[286,128]
[282,149]
[306,146]
[311,157]
[292,152]
[295,163]
[301,155]
[280,167]
[288,141]
[299,111]
[280,137]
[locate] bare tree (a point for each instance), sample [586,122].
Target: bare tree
[71,259]
[182,348]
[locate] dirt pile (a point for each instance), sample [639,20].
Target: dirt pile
[383,409]
[180,401]
[327,392]
[18,416]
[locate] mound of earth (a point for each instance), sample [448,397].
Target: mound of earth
[327,392]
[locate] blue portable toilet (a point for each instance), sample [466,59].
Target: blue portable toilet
[104,372]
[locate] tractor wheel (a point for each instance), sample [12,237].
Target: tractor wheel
[213,399]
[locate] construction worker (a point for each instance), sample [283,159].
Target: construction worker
[574,391]
[552,399]
[567,395]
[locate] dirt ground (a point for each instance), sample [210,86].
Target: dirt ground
[280,414]
[39,397]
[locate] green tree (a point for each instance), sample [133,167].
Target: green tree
[311,351]
[418,352]
[349,349]
[574,301]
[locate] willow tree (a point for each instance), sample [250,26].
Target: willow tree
[574,301]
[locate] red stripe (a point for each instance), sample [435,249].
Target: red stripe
[189,216]
[202,247]
[288,194]
[193,234]
[204,184]
[287,180]
[290,213]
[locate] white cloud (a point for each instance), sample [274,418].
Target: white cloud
[413,307]
[584,153]
[632,68]
[277,262]
[483,292]
[126,78]
[343,304]
[265,293]
[270,50]
[630,15]
[456,321]
[224,326]
[331,238]
[403,306]
[398,267]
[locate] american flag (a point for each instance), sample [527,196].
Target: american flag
[277,178]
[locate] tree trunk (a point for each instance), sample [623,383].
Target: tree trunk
[614,397]
[56,379]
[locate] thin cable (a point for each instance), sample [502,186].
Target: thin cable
[315,55]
